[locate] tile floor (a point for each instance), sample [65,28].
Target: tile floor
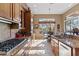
[38,48]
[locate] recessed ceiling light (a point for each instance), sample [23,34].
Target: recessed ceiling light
[34,5]
[51,3]
[69,5]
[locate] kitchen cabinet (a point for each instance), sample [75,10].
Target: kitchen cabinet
[55,47]
[65,46]
[16,11]
[17,16]
[64,50]
[60,49]
[27,21]
[11,11]
[22,17]
[22,14]
[5,10]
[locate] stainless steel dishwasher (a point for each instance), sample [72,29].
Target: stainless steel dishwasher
[64,50]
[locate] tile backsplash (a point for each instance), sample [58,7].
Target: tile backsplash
[13,31]
[4,32]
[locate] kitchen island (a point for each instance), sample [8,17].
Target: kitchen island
[65,45]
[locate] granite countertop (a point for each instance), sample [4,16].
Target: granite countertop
[74,43]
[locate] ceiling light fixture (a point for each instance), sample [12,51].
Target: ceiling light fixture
[51,3]
[49,18]
[34,5]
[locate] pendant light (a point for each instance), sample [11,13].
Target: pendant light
[49,19]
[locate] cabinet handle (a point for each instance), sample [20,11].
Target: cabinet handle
[64,47]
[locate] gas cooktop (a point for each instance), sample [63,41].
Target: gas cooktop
[9,44]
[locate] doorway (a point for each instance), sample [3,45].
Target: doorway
[42,27]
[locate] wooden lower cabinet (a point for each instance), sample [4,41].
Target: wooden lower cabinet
[60,49]
[76,52]
[57,50]
[55,47]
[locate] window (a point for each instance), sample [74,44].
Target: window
[45,27]
[70,23]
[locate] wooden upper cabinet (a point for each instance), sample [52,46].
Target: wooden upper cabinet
[22,17]
[27,21]
[5,10]
[16,11]
[10,10]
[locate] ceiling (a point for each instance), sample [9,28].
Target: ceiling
[50,8]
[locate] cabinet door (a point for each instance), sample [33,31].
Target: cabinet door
[55,47]
[5,10]
[16,11]
[22,18]
[27,22]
